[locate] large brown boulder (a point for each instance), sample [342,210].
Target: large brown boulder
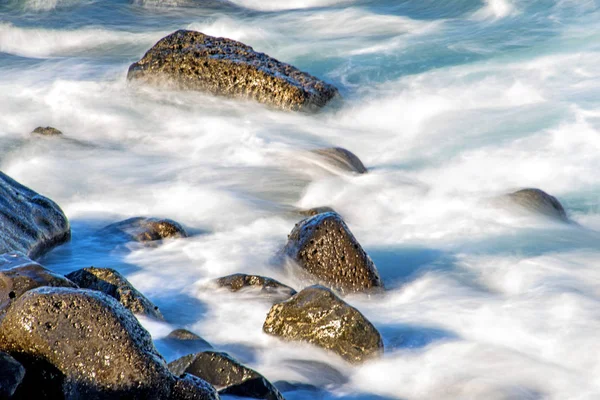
[268,287]
[11,375]
[538,201]
[219,66]
[317,316]
[112,283]
[31,224]
[329,254]
[142,229]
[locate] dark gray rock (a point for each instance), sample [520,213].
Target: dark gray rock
[82,344]
[329,254]
[190,387]
[19,274]
[538,201]
[187,339]
[11,375]
[226,374]
[195,61]
[31,224]
[342,159]
[268,287]
[317,316]
[47,131]
[112,283]
[143,229]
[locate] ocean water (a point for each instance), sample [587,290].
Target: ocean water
[448,103]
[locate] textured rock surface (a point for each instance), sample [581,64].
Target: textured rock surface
[18,274]
[342,159]
[11,375]
[148,229]
[266,286]
[77,343]
[220,66]
[538,201]
[226,374]
[328,253]
[190,387]
[114,284]
[31,224]
[47,131]
[187,339]
[316,315]
[311,212]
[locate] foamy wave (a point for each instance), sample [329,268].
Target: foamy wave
[495,9]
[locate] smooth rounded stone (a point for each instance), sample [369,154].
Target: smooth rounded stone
[112,283]
[328,253]
[226,374]
[31,224]
[47,131]
[342,159]
[11,375]
[190,387]
[538,201]
[19,274]
[143,229]
[194,61]
[188,339]
[268,287]
[311,212]
[317,316]
[82,344]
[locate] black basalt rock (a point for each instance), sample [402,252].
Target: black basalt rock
[268,287]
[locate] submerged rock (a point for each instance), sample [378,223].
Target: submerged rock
[112,283]
[47,131]
[342,159]
[82,344]
[11,375]
[317,316]
[268,287]
[311,212]
[329,254]
[538,201]
[195,61]
[190,387]
[187,339]
[226,374]
[143,229]
[31,224]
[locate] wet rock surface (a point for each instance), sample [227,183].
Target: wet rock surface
[11,375]
[342,159]
[226,374]
[317,316]
[329,254]
[190,387]
[112,283]
[538,201]
[77,343]
[311,212]
[47,131]
[143,229]
[265,286]
[31,224]
[185,339]
[219,66]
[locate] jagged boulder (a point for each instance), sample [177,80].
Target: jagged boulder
[143,229]
[329,254]
[11,375]
[112,283]
[265,286]
[538,201]
[317,316]
[219,66]
[31,224]
[226,374]
[47,131]
[342,159]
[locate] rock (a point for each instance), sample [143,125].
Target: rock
[112,283]
[187,339]
[317,316]
[342,159]
[311,212]
[194,61]
[538,201]
[328,253]
[148,229]
[11,375]
[266,286]
[190,387]
[19,274]
[47,131]
[31,224]
[226,374]
[82,344]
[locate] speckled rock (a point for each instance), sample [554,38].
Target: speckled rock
[187,339]
[11,375]
[342,159]
[538,201]
[190,387]
[268,287]
[82,344]
[31,224]
[328,253]
[317,316]
[19,274]
[47,131]
[226,374]
[195,61]
[112,283]
[143,229]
